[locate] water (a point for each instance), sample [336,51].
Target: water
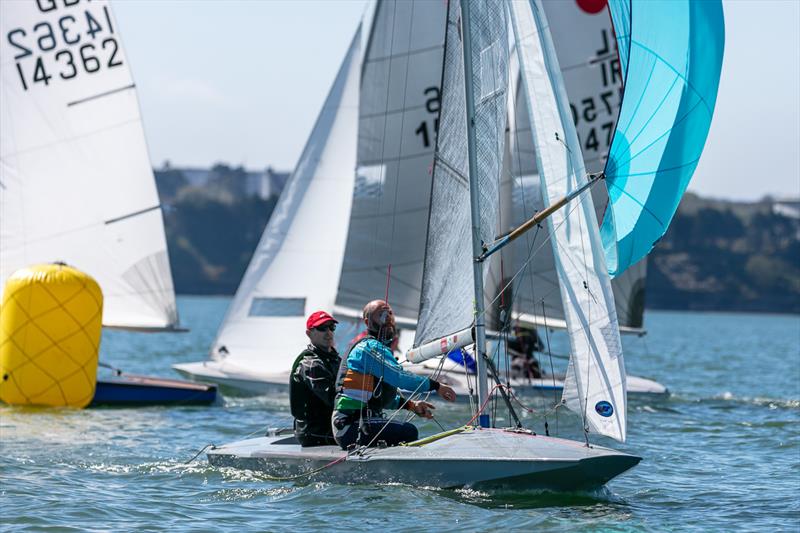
[722,453]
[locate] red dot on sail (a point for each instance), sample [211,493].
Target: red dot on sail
[592,6]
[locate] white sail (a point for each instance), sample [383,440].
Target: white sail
[398,115]
[595,384]
[295,268]
[448,289]
[76,183]
[589,65]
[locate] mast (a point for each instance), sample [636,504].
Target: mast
[474,197]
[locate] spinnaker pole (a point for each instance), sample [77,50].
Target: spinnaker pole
[474,197]
[538,218]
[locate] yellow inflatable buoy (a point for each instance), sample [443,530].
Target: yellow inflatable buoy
[50,325]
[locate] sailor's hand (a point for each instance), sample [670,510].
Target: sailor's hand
[423,409]
[446,392]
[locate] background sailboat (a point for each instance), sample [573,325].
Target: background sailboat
[76,184]
[373,212]
[386,216]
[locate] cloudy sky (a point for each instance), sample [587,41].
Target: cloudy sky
[242,82]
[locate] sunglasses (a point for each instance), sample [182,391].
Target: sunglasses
[326,327]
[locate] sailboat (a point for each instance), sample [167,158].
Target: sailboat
[376,221]
[76,185]
[583,39]
[368,160]
[665,143]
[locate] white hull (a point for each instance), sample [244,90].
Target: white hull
[487,458]
[453,375]
[237,380]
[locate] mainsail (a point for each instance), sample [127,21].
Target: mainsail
[76,184]
[398,110]
[295,268]
[595,383]
[672,74]
[448,282]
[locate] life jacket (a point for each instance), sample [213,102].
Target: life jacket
[378,393]
[303,403]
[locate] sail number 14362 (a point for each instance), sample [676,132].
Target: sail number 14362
[80,42]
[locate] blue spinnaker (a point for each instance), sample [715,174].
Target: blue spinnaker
[671,58]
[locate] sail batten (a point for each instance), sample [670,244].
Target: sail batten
[77,184]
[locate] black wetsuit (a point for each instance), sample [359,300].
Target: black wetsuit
[312,389]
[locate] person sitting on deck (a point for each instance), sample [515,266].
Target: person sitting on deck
[367,384]
[312,382]
[521,349]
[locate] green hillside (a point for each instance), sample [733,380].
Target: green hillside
[717,255]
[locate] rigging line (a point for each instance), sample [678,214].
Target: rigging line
[434,375]
[581,232]
[396,411]
[552,372]
[388,280]
[402,127]
[383,144]
[530,240]
[530,257]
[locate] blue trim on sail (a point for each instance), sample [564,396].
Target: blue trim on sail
[671,54]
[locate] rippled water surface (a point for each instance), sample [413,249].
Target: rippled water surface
[722,453]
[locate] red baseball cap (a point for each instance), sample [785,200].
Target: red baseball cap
[317,318]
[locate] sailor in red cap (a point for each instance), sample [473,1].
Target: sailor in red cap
[312,385]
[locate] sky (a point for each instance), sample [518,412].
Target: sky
[241,82]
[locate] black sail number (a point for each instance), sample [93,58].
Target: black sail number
[46,41]
[24,50]
[112,45]
[65,30]
[433,103]
[90,62]
[68,62]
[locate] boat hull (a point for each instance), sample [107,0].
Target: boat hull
[487,458]
[238,381]
[133,390]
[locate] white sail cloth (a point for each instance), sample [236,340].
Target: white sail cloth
[76,183]
[295,268]
[398,115]
[448,290]
[589,65]
[595,384]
